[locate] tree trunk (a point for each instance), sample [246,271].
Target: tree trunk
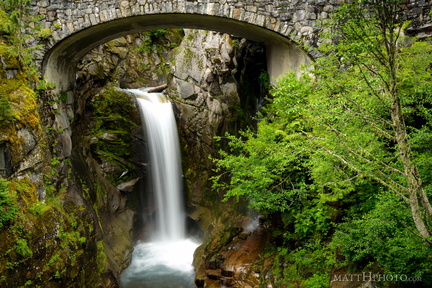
[415,187]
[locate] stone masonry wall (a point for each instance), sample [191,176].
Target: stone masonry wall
[295,19]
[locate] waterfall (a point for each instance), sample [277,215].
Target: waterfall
[165,164]
[166,261]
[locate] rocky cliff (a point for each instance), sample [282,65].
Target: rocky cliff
[217,84]
[73,166]
[47,232]
[107,135]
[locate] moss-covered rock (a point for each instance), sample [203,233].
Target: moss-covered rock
[48,238]
[105,156]
[70,225]
[45,245]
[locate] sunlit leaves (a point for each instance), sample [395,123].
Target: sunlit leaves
[267,167]
[263,169]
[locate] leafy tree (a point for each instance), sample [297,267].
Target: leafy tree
[356,136]
[381,235]
[6,113]
[372,83]
[267,166]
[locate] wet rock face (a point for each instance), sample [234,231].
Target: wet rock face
[213,78]
[133,61]
[205,62]
[107,139]
[216,88]
[235,263]
[103,162]
[203,82]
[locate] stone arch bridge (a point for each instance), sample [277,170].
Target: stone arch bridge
[284,26]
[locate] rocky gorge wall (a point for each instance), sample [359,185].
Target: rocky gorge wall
[47,234]
[217,85]
[216,89]
[74,161]
[215,82]
[64,216]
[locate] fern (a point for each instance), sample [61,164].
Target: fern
[8,205]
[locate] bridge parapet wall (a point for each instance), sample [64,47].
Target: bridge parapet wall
[79,25]
[296,19]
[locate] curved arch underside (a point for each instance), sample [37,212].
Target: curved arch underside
[60,61]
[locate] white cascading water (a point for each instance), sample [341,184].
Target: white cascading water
[166,261]
[165,164]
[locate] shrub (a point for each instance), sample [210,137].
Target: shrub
[22,248]
[385,237]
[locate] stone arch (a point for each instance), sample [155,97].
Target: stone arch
[60,61]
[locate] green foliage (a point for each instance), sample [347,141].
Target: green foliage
[101,257]
[57,275]
[38,208]
[266,166]
[308,264]
[312,261]
[13,11]
[372,102]
[153,41]
[312,221]
[6,113]
[63,231]
[111,110]
[18,27]
[8,206]
[54,259]
[383,236]
[155,34]
[328,150]
[22,248]
[115,116]
[45,33]
[264,78]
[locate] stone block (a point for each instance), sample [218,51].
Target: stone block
[93,19]
[185,89]
[213,274]
[311,16]
[328,8]
[299,15]
[237,13]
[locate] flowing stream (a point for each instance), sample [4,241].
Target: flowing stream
[164,261]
